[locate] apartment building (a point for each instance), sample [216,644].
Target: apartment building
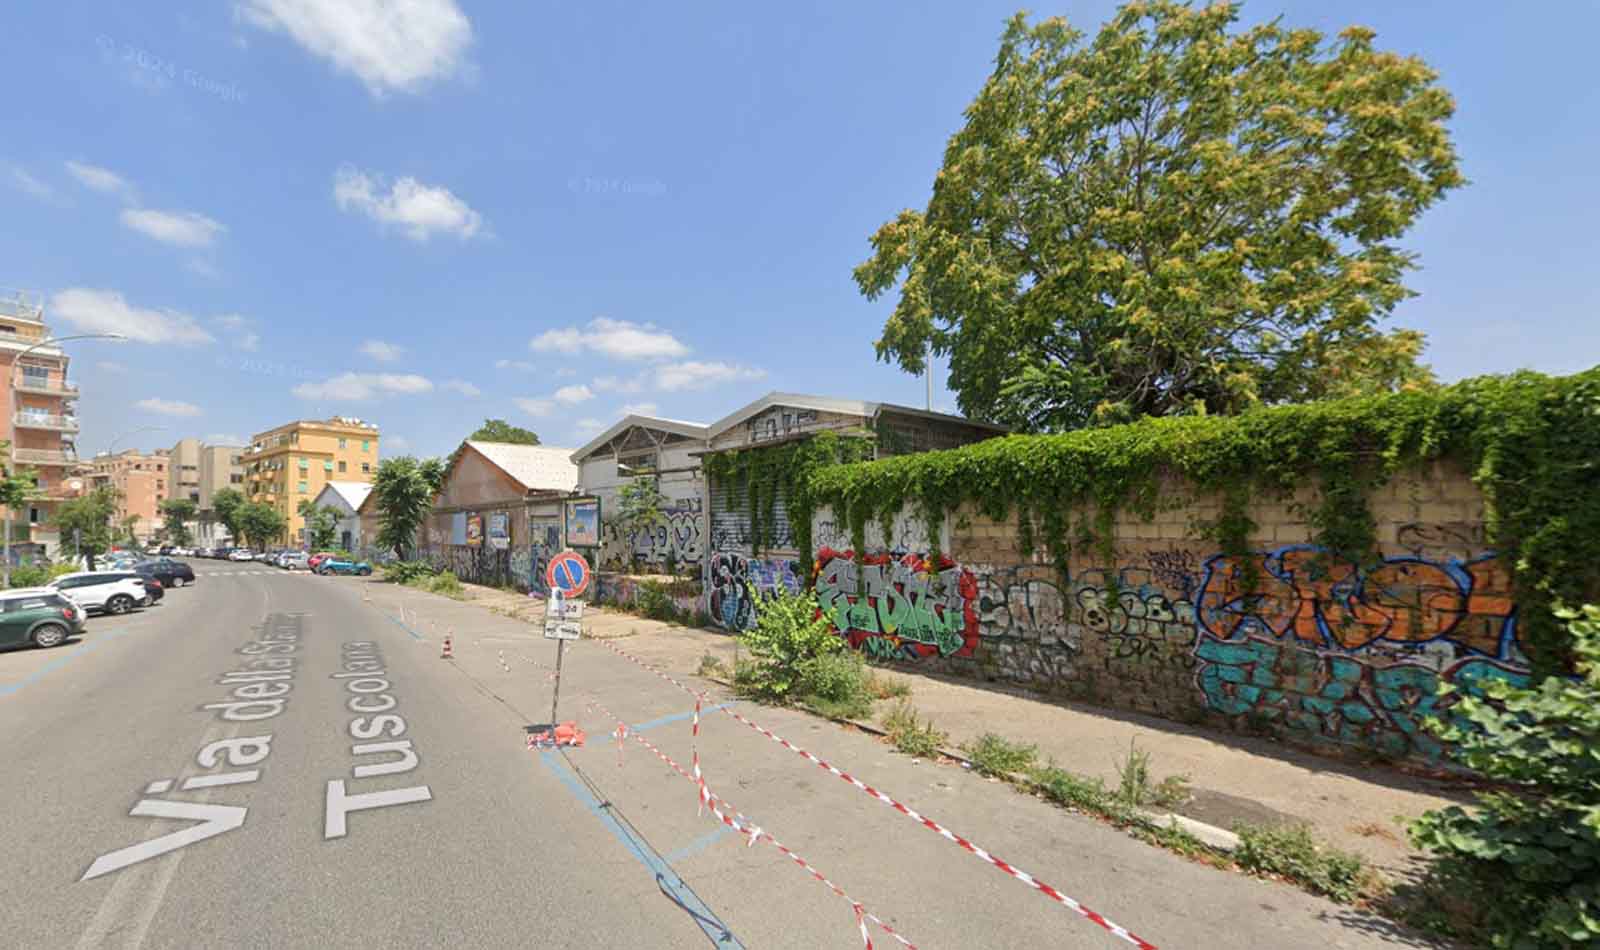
[291,463]
[185,480]
[142,481]
[40,407]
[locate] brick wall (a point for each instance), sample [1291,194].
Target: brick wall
[1319,651]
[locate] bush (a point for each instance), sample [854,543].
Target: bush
[881,687]
[655,603]
[1531,850]
[909,734]
[995,755]
[788,632]
[1072,790]
[446,584]
[835,677]
[404,572]
[29,575]
[1294,854]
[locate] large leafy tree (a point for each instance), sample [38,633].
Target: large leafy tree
[405,488]
[261,524]
[88,518]
[1178,216]
[177,512]
[499,430]
[322,524]
[227,503]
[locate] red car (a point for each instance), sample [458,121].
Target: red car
[316,559]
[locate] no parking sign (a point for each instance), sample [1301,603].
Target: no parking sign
[569,573]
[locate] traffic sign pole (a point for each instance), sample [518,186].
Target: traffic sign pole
[555,699]
[568,576]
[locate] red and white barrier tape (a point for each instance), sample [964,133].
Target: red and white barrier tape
[753,832]
[1047,890]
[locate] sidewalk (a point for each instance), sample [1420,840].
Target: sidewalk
[1233,778]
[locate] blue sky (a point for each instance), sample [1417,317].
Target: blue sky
[553,212]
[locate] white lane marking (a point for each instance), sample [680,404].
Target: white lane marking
[127,897]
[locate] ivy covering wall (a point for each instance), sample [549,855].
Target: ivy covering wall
[1531,443]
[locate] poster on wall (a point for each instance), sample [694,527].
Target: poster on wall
[499,530]
[583,523]
[474,530]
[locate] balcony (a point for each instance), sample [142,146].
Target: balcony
[44,420]
[43,457]
[24,341]
[46,387]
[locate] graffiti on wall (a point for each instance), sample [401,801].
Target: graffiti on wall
[679,539]
[778,422]
[731,531]
[622,591]
[908,533]
[546,544]
[735,583]
[904,606]
[1337,652]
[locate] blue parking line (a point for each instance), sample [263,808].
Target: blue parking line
[38,674]
[669,881]
[676,717]
[698,845]
[402,626]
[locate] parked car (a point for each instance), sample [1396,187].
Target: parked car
[339,566]
[114,592]
[295,560]
[38,615]
[155,589]
[169,572]
[316,559]
[241,554]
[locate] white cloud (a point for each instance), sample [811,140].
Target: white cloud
[168,407]
[179,228]
[572,395]
[698,375]
[110,366]
[535,407]
[26,183]
[396,443]
[390,45]
[106,311]
[381,351]
[224,438]
[523,365]
[100,179]
[616,384]
[419,210]
[463,387]
[588,428]
[639,409]
[618,339]
[249,342]
[362,386]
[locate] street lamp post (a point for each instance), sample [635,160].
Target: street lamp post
[11,388]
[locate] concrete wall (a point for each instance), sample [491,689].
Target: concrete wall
[1321,651]
[682,538]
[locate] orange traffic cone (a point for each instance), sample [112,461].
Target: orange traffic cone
[447,655]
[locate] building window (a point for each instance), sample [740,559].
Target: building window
[341,443]
[235,478]
[33,515]
[366,445]
[366,467]
[341,466]
[302,488]
[327,465]
[304,464]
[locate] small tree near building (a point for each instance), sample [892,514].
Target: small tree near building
[227,503]
[404,489]
[262,525]
[178,511]
[639,508]
[88,519]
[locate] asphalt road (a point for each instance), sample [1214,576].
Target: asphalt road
[171,782]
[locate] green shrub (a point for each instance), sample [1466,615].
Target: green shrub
[835,677]
[57,570]
[882,687]
[1072,790]
[910,734]
[654,602]
[447,584]
[996,755]
[1530,850]
[1294,854]
[405,572]
[29,575]
[788,632]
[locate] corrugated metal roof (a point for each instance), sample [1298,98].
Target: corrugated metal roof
[353,493]
[536,467]
[693,430]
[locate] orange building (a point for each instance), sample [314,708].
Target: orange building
[40,408]
[291,463]
[141,482]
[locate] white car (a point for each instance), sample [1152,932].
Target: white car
[295,560]
[112,592]
[241,554]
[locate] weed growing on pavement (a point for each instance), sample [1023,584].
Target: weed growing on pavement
[998,756]
[711,666]
[851,707]
[786,640]
[1072,790]
[405,572]
[1293,853]
[1136,788]
[446,584]
[910,734]
[882,687]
